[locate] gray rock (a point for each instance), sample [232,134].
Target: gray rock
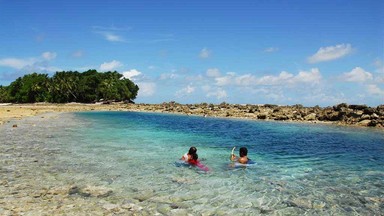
[299,203]
[132,207]
[374,116]
[365,117]
[310,117]
[164,209]
[90,191]
[178,212]
[262,116]
[110,206]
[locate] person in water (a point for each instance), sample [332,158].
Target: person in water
[191,156]
[243,159]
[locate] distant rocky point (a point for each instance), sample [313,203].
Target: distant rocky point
[343,114]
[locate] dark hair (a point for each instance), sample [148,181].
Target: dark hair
[243,151]
[192,150]
[194,156]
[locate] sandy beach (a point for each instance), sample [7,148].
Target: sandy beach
[19,111]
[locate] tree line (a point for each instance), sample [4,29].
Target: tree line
[69,86]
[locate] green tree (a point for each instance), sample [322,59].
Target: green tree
[128,90]
[89,86]
[4,94]
[70,86]
[64,87]
[29,89]
[114,87]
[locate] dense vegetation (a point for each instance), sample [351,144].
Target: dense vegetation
[69,86]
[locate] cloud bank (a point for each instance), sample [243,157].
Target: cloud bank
[330,53]
[110,66]
[284,78]
[39,63]
[358,74]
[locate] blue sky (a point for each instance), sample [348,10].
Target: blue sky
[256,52]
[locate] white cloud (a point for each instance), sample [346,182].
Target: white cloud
[273,94]
[112,37]
[189,89]
[374,89]
[358,74]
[271,49]
[205,53]
[110,66]
[49,55]
[109,33]
[225,80]
[213,72]
[17,63]
[131,74]
[218,93]
[312,76]
[146,89]
[245,80]
[330,53]
[284,78]
[28,63]
[185,91]
[167,76]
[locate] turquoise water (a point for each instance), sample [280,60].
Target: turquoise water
[301,168]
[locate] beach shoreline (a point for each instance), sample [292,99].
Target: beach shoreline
[342,114]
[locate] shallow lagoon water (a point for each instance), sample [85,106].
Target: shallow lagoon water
[300,168]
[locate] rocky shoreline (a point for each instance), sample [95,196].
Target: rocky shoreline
[341,114]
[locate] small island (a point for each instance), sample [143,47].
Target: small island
[72,91]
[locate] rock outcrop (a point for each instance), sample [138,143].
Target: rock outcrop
[343,114]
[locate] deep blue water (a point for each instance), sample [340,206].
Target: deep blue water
[300,168]
[272,142]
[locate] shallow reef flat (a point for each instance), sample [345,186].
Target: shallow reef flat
[31,176]
[91,163]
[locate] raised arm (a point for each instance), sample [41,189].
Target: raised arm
[233,156]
